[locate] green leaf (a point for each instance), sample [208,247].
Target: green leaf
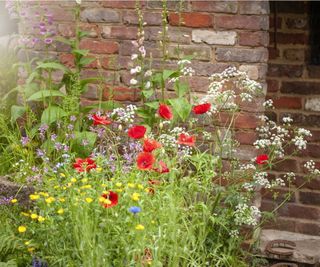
[154,104]
[181,106]
[105,105]
[38,96]
[52,66]
[89,80]
[32,76]
[52,114]
[30,89]
[82,52]
[86,61]
[167,74]
[78,146]
[147,93]
[17,112]
[181,89]
[64,40]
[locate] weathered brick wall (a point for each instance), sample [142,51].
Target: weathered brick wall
[294,86]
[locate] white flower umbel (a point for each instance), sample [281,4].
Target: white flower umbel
[246,215]
[124,115]
[311,167]
[268,104]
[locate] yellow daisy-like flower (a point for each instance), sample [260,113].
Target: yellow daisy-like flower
[98,170]
[41,219]
[31,249]
[62,175]
[27,243]
[119,190]
[56,186]
[87,186]
[84,180]
[43,194]
[22,229]
[25,214]
[101,199]
[49,200]
[34,216]
[118,184]
[69,184]
[140,227]
[62,199]
[131,185]
[103,185]
[140,186]
[14,200]
[60,211]
[34,197]
[89,199]
[135,196]
[73,180]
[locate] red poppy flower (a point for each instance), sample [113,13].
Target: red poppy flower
[97,120]
[112,197]
[200,109]
[137,131]
[145,161]
[185,139]
[162,167]
[262,159]
[165,112]
[82,165]
[149,145]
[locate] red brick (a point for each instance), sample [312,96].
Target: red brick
[289,38]
[285,70]
[242,120]
[246,137]
[300,87]
[278,195]
[151,18]
[300,211]
[310,198]
[272,22]
[215,6]
[253,38]
[100,47]
[121,4]
[273,53]
[194,20]
[241,22]
[308,228]
[123,32]
[110,63]
[67,59]
[121,93]
[287,102]
[273,86]
[66,30]
[282,224]
[314,184]
[286,165]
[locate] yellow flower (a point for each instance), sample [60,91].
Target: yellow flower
[34,216]
[135,196]
[60,211]
[27,243]
[84,180]
[119,190]
[140,227]
[22,229]
[87,186]
[89,199]
[56,187]
[131,185]
[153,222]
[112,179]
[101,199]
[43,194]
[103,185]
[118,184]
[41,219]
[73,180]
[64,188]
[14,200]
[107,201]
[25,214]
[69,184]
[99,169]
[62,199]
[140,186]
[34,197]
[31,249]
[49,200]
[62,175]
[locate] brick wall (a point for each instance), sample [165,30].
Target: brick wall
[294,86]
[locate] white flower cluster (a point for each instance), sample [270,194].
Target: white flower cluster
[246,215]
[311,167]
[290,176]
[271,136]
[268,104]
[177,131]
[124,115]
[260,180]
[287,120]
[168,141]
[299,140]
[187,71]
[248,166]
[184,152]
[246,97]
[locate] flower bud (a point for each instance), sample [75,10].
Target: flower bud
[160,125]
[120,127]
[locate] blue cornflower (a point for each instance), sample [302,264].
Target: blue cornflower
[134,209]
